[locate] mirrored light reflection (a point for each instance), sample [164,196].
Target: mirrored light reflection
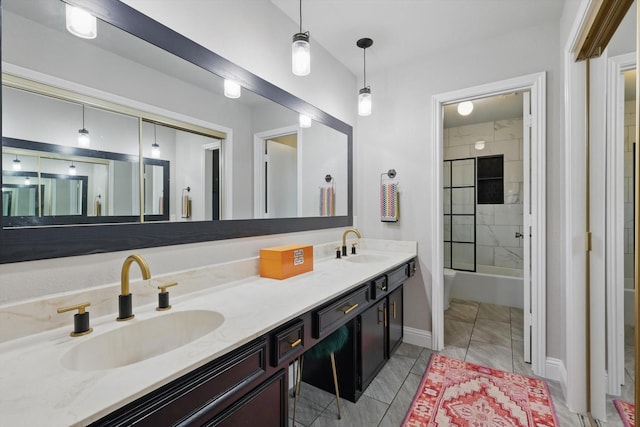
[81,23]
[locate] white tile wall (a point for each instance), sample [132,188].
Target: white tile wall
[496,225]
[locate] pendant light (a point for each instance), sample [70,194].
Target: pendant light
[81,23]
[155,148]
[305,121]
[72,169]
[232,89]
[364,95]
[16,165]
[27,180]
[83,134]
[301,51]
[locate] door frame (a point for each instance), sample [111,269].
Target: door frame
[615,220]
[259,139]
[536,84]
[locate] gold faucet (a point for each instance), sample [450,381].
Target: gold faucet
[124,299]
[344,239]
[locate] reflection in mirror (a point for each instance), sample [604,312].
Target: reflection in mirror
[117,63]
[190,155]
[159,100]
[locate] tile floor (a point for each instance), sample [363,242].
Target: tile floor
[480,333]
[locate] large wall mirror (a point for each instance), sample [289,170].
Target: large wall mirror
[169,157]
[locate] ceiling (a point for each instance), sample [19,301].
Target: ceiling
[405,29]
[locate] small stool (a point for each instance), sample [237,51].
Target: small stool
[328,346]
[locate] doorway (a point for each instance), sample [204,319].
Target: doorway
[277,176]
[534,215]
[620,228]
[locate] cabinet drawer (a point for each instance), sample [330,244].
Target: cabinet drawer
[287,342]
[379,287]
[397,276]
[197,394]
[340,311]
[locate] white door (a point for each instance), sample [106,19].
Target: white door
[280,185]
[526,227]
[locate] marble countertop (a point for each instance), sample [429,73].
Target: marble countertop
[38,390]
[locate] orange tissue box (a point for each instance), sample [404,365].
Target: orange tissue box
[282,262]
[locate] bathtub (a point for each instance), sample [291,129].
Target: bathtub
[629,302]
[494,285]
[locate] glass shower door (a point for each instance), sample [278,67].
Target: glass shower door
[460,214]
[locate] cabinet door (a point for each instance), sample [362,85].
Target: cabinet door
[373,325]
[395,316]
[265,406]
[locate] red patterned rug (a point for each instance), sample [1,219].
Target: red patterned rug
[457,393]
[627,412]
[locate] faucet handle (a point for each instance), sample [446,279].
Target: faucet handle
[80,319]
[353,248]
[163,297]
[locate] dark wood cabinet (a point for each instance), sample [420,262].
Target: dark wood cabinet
[395,320]
[199,395]
[373,339]
[243,388]
[265,406]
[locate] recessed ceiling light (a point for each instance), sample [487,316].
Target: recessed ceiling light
[465,108]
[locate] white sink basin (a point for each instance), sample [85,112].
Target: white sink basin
[365,258]
[140,340]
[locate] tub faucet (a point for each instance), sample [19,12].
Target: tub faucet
[344,239]
[125,307]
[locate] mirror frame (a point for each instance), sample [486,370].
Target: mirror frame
[27,244]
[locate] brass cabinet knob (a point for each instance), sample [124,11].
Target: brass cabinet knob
[80,319]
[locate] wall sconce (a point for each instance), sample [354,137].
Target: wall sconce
[27,180]
[364,95]
[72,169]
[81,23]
[479,145]
[16,164]
[232,89]
[305,121]
[301,51]
[155,148]
[465,108]
[83,134]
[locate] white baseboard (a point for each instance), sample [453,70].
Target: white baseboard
[555,371]
[417,337]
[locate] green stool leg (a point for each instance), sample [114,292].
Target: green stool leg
[335,382]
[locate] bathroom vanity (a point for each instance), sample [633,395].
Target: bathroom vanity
[234,374]
[251,383]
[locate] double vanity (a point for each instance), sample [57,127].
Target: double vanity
[220,355]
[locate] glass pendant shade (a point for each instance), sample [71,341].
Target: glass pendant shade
[155,150]
[232,89]
[301,54]
[83,138]
[27,181]
[81,23]
[364,102]
[305,121]
[72,169]
[16,165]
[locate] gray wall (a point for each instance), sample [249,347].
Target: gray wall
[403,142]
